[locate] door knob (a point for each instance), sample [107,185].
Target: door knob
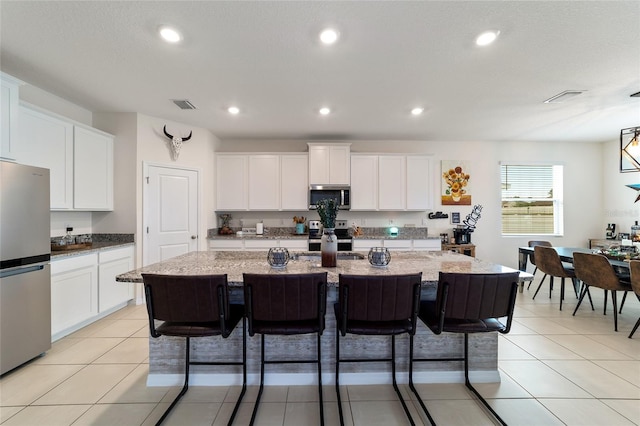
[193,237]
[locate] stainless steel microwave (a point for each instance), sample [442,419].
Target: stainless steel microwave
[342,193]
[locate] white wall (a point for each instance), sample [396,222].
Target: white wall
[583,187]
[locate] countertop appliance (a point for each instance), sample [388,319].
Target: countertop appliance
[611,231]
[345,241]
[462,235]
[342,193]
[25,274]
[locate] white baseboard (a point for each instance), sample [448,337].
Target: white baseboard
[301,379]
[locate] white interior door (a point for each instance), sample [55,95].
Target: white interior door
[171,216]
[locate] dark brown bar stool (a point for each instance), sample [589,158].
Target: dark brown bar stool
[194,306]
[278,304]
[468,303]
[385,305]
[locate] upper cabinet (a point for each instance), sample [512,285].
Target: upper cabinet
[261,182]
[9,99]
[391,182]
[80,159]
[329,163]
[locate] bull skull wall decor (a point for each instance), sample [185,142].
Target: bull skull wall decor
[176,143]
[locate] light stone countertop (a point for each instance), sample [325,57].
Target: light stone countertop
[94,248]
[234,263]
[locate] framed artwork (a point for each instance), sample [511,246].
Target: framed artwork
[455,218]
[455,183]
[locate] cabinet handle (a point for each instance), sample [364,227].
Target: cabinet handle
[193,237]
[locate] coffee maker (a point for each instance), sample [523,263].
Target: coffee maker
[611,231]
[462,235]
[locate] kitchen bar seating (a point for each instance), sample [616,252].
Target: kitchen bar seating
[286,305]
[376,306]
[468,303]
[194,306]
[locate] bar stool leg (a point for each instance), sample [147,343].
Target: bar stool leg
[411,385]
[320,380]
[395,384]
[338,375]
[185,387]
[244,372]
[255,408]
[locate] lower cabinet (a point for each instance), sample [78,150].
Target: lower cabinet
[112,263]
[74,292]
[430,244]
[84,289]
[257,244]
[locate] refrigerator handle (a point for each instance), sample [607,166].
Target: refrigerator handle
[20,271]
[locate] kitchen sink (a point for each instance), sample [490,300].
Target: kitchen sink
[316,257]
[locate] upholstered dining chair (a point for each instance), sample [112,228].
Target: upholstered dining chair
[285,305]
[377,305]
[548,261]
[634,267]
[532,256]
[192,306]
[468,303]
[594,270]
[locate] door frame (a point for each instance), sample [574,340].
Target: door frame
[146,165]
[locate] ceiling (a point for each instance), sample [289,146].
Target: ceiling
[265,58]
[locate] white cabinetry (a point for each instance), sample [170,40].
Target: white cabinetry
[262,182]
[112,263]
[92,170]
[80,159]
[74,292]
[294,182]
[329,163]
[9,100]
[47,141]
[365,245]
[391,182]
[231,182]
[430,244]
[225,244]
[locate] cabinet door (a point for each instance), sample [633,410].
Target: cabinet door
[92,170]
[364,182]
[74,292]
[264,182]
[9,116]
[419,192]
[340,164]
[294,183]
[46,141]
[391,182]
[398,245]
[431,244]
[365,245]
[319,164]
[112,263]
[231,182]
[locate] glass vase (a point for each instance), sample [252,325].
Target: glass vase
[329,248]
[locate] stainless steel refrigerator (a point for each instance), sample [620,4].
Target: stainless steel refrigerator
[25,274]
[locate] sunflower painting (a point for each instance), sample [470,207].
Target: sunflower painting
[455,183]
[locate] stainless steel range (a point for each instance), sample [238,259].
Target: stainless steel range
[345,241]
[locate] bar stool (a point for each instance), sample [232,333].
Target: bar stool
[468,303]
[286,305]
[194,306]
[385,305]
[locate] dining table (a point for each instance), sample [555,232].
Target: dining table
[621,267]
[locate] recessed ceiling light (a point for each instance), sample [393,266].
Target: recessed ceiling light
[487,38]
[233,110]
[417,111]
[329,36]
[170,34]
[325,111]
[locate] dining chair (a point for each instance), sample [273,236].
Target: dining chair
[532,256]
[468,303]
[192,306]
[595,270]
[634,267]
[548,261]
[285,305]
[377,305]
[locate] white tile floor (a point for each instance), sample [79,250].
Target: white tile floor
[556,369]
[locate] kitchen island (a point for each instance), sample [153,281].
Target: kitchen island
[166,353]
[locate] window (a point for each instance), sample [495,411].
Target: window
[531,199]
